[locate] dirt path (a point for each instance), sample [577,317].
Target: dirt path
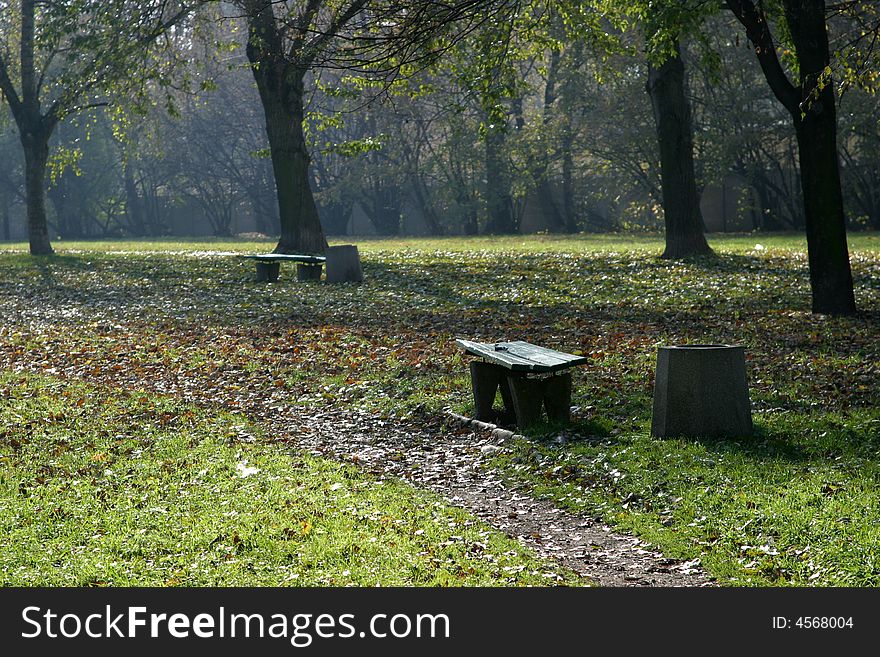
[452,463]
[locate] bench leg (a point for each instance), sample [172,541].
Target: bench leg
[267,272]
[557,398]
[508,415]
[486,378]
[308,272]
[528,398]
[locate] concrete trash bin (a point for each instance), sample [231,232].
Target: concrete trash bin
[344,264]
[701,390]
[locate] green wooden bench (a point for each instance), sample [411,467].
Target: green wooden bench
[530,377]
[269,266]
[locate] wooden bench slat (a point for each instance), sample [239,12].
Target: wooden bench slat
[540,354]
[277,257]
[521,356]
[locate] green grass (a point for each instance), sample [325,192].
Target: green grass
[795,505]
[100,488]
[581,243]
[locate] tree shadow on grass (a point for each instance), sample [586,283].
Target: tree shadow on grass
[832,442]
[447,282]
[526,289]
[49,266]
[739,262]
[763,445]
[438,296]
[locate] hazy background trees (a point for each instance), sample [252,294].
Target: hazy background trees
[522,125]
[59,59]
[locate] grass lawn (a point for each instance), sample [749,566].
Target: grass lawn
[797,504]
[103,488]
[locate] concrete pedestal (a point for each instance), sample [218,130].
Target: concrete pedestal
[267,272]
[344,264]
[701,390]
[308,272]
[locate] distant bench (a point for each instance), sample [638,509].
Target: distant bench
[515,367]
[269,265]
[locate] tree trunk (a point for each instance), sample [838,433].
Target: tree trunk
[499,203]
[554,218]
[281,93]
[681,202]
[811,104]
[830,274]
[280,80]
[382,205]
[568,206]
[264,212]
[36,155]
[335,216]
[134,209]
[816,127]
[420,191]
[34,132]
[7,231]
[470,224]
[301,230]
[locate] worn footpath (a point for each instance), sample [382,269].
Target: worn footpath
[439,455]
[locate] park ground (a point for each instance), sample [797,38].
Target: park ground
[138,379]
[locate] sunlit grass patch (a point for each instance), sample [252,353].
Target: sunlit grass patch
[100,488]
[797,504]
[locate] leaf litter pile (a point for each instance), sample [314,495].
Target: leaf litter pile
[366,374]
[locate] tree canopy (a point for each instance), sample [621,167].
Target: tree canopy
[59,58]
